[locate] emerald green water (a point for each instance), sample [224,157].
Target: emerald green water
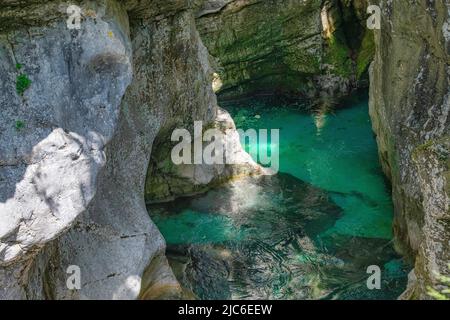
[336,152]
[308,233]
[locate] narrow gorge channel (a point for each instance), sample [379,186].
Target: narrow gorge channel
[309,232]
[98,98]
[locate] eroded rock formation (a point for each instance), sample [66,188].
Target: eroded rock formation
[316,50]
[409,105]
[76,142]
[167,181]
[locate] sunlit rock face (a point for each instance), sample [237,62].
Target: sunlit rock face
[167,181]
[409,109]
[53,134]
[311,49]
[76,142]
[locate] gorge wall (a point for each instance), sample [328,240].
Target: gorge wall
[314,50]
[409,106]
[320,50]
[76,142]
[84,112]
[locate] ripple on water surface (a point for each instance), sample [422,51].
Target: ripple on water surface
[309,232]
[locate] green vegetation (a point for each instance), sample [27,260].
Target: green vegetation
[19,125]
[442,293]
[433,147]
[338,55]
[365,54]
[22,83]
[422,148]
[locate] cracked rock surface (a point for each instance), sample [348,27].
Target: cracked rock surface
[75,146]
[409,106]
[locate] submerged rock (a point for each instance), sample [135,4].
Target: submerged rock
[259,219]
[270,243]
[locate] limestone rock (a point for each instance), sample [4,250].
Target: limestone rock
[167,181]
[409,106]
[289,47]
[75,142]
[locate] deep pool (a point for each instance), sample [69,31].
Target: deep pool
[308,233]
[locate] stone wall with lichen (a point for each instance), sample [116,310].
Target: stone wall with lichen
[409,107]
[316,50]
[79,112]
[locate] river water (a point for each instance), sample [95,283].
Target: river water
[309,232]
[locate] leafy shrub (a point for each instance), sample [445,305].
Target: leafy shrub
[22,83]
[19,125]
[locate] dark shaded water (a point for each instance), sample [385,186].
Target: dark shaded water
[308,233]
